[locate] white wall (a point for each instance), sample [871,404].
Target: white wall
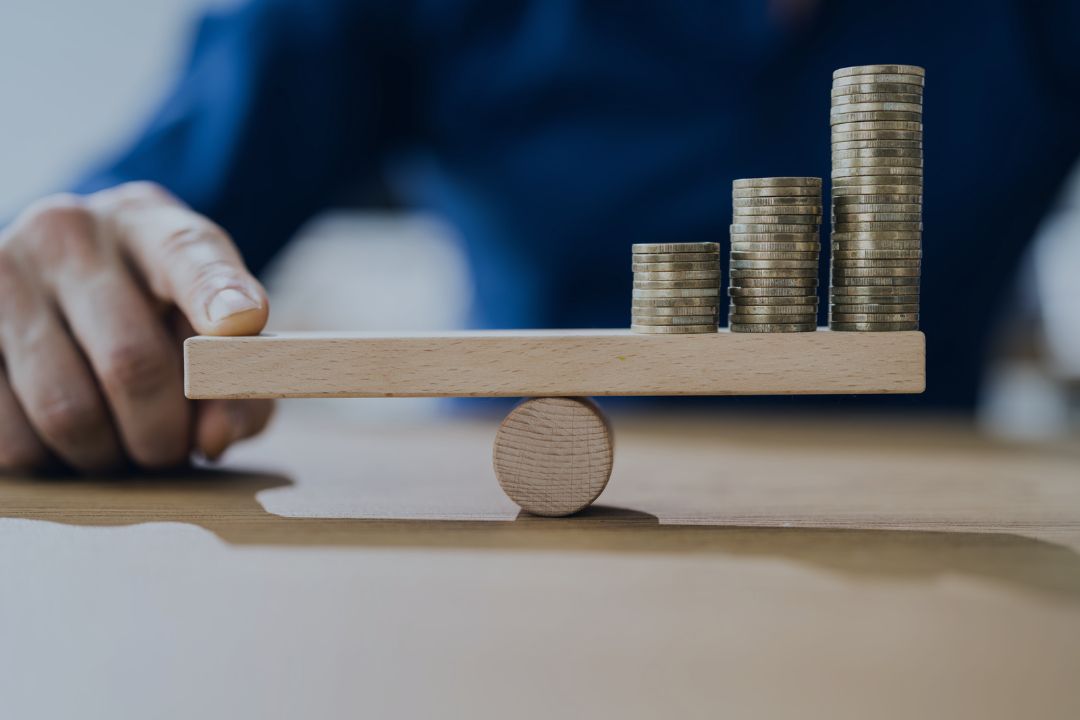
[77,77]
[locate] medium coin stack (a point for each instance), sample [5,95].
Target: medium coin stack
[676,288]
[775,247]
[877,191]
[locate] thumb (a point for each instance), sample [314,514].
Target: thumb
[186,259]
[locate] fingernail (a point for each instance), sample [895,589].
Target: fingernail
[229,302]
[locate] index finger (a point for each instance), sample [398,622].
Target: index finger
[186,259]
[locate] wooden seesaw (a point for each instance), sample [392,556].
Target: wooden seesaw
[554,451]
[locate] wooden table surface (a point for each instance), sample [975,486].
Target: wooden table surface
[737,566]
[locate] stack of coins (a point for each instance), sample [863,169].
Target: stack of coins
[676,288]
[775,246]
[877,191]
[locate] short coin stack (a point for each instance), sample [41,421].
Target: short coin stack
[775,248]
[877,191]
[676,288]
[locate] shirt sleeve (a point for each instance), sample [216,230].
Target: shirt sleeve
[281,107]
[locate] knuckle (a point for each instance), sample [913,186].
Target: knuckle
[134,195]
[134,368]
[190,237]
[58,212]
[59,228]
[145,189]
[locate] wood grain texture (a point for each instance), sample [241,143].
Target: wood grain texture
[544,363]
[768,565]
[553,456]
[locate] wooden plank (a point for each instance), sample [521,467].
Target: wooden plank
[534,363]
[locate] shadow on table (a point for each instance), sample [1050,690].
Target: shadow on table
[225,503]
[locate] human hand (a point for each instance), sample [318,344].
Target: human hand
[96,297]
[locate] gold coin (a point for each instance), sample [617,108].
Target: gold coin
[772,220]
[872,88]
[843,272]
[697,304]
[896,301]
[877,162]
[844,109]
[839,191]
[653,248]
[878,154]
[755,301]
[671,320]
[676,257]
[848,255]
[878,98]
[674,329]
[770,310]
[873,327]
[846,177]
[790,282]
[877,241]
[867,282]
[911,175]
[859,208]
[769,247]
[847,227]
[806,256]
[874,308]
[675,311]
[876,126]
[680,275]
[876,217]
[744,183]
[774,264]
[844,149]
[786,201]
[757,228]
[772,328]
[674,266]
[873,116]
[759,293]
[738,319]
[862,147]
[873,317]
[873,176]
[676,284]
[852,263]
[876,136]
[877,291]
[788,214]
[805,208]
[761,192]
[767,237]
[846,237]
[886,199]
[878,69]
[893,78]
[741,274]
[645,293]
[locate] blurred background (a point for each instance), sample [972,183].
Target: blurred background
[79,78]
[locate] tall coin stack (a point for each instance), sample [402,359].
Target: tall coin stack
[877,191]
[676,288]
[775,248]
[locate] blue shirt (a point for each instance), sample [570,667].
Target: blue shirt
[555,133]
